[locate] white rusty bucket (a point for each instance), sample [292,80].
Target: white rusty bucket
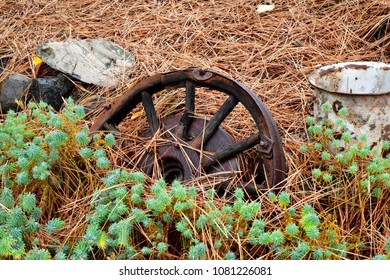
[364,89]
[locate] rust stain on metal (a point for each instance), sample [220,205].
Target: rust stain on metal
[361,87]
[336,106]
[325,72]
[334,69]
[356,66]
[386,132]
[201,75]
[265,147]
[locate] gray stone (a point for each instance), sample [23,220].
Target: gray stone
[97,62]
[3,63]
[11,89]
[51,90]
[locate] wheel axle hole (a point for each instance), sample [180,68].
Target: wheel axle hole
[172,171]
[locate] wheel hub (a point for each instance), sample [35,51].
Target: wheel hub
[178,160]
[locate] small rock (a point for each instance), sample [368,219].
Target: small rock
[97,62]
[51,90]
[12,89]
[264,8]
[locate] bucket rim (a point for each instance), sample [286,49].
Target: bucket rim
[323,70]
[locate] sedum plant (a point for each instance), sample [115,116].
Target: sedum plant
[354,177]
[19,223]
[121,227]
[340,158]
[36,141]
[48,159]
[42,163]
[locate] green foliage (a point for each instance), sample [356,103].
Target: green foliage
[277,237]
[239,194]
[291,211]
[202,221]
[326,107]
[166,207]
[318,254]
[312,232]
[86,153]
[103,162]
[352,175]
[38,254]
[54,225]
[292,229]
[387,245]
[80,251]
[23,178]
[327,177]
[230,256]
[345,157]
[82,138]
[110,140]
[284,199]
[197,252]
[121,231]
[60,256]
[300,251]
[380,257]
[310,121]
[119,237]
[316,173]
[272,196]
[131,217]
[27,202]
[19,222]
[343,112]
[36,144]
[178,191]
[309,220]
[325,156]
[162,247]
[33,142]
[303,148]
[7,198]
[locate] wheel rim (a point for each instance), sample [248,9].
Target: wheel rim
[267,140]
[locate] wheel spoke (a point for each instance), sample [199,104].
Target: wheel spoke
[186,119]
[250,188]
[231,150]
[215,121]
[150,111]
[110,127]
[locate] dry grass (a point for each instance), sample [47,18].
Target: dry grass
[271,53]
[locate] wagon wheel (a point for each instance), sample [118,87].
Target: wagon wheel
[196,146]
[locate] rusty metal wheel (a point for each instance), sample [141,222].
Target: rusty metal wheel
[193,146]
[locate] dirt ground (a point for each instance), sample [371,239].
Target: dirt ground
[272,52]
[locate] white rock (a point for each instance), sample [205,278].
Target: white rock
[265,8]
[98,61]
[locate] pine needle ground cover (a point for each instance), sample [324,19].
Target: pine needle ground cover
[65,195]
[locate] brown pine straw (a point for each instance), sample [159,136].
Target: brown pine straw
[272,53]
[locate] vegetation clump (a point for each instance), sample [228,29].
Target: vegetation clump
[63,197]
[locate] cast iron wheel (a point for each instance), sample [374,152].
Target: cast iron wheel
[194,146]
